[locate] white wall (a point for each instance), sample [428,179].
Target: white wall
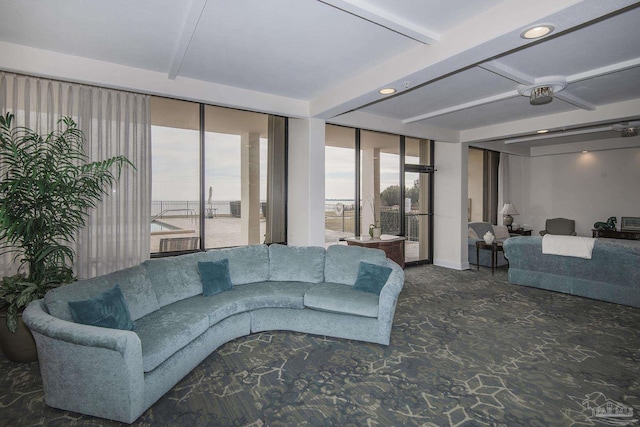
[450,210]
[586,187]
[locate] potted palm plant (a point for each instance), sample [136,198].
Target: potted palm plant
[47,187]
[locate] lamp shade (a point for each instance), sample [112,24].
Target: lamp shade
[508,209]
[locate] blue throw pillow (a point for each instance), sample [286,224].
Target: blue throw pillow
[371,277]
[108,310]
[215,277]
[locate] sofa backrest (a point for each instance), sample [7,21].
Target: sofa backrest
[296,263]
[247,264]
[342,262]
[134,283]
[175,278]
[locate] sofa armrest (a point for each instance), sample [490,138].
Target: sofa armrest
[38,320]
[390,292]
[88,369]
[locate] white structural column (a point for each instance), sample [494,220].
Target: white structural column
[250,192]
[370,179]
[450,211]
[305,205]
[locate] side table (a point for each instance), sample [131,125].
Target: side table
[520,232]
[494,247]
[393,246]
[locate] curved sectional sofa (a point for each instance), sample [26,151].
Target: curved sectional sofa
[118,374]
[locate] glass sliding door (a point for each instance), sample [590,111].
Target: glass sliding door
[418,221]
[340,183]
[175,199]
[380,182]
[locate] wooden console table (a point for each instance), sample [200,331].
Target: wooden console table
[393,246]
[614,234]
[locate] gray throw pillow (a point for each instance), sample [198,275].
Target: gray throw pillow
[215,277]
[107,309]
[371,277]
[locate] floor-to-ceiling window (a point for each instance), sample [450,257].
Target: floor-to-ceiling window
[218,177]
[340,183]
[391,178]
[380,182]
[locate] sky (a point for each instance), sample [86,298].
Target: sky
[175,165]
[340,172]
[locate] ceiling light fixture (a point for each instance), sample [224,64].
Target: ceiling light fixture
[628,132]
[542,92]
[541,95]
[543,131]
[387,91]
[537,31]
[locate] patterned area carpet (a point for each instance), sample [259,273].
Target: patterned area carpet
[467,349]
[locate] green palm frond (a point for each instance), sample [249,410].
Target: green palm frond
[48,185]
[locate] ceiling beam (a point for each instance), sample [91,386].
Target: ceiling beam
[461,47]
[188,30]
[605,114]
[603,71]
[384,19]
[558,134]
[507,72]
[466,105]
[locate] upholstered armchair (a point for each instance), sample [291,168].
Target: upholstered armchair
[561,226]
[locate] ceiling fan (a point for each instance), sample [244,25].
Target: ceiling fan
[627,129]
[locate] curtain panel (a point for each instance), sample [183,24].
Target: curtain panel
[114,123]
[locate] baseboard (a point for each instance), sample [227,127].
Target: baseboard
[450,264]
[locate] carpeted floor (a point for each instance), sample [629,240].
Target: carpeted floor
[467,349]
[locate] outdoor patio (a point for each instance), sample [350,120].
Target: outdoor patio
[225,231]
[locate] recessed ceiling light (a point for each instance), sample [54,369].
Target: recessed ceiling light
[537,31]
[543,131]
[387,91]
[585,151]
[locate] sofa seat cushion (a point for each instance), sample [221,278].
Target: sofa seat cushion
[296,263]
[134,283]
[165,331]
[246,297]
[339,298]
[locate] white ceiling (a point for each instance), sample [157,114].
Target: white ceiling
[457,64]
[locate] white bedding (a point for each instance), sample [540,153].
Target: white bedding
[575,246]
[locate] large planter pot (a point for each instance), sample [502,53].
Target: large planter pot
[18,347]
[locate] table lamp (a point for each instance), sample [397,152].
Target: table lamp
[508,210]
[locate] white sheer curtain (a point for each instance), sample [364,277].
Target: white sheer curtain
[114,123]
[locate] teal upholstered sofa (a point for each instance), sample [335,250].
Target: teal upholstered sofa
[612,274]
[118,374]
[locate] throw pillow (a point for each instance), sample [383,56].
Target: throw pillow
[501,232]
[108,310]
[371,277]
[472,233]
[215,277]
